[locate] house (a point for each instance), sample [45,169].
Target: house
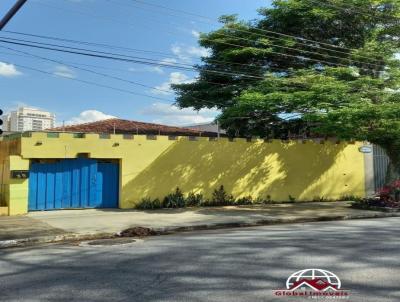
[88,166]
[120,126]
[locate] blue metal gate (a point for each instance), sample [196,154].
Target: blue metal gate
[73,183]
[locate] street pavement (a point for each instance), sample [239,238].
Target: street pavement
[243,264]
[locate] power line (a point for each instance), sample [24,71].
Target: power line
[11,13]
[301,39]
[346,6]
[181,66]
[87,82]
[238,30]
[27,54]
[101,74]
[79,42]
[138,61]
[275,45]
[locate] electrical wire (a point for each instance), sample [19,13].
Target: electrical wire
[301,39]
[153,62]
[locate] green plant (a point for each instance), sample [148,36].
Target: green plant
[319,199]
[291,198]
[220,198]
[347,98]
[350,198]
[194,200]
[149,204]
[248,200]
[174,200]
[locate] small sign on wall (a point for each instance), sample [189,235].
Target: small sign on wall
[19,174]
[365,149]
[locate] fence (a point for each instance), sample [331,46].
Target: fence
[381,161]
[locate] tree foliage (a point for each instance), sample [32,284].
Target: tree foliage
[332,72]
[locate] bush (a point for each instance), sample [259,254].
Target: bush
[174,200]
[149,204]
[220,198]
[194,200]
[350,198]
[248,200]
[260,200]
[390,192]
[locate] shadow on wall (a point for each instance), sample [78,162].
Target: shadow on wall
[258,169]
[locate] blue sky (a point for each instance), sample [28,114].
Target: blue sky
[125,23]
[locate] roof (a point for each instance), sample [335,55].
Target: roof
[130,127]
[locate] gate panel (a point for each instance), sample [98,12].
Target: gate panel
[80,183]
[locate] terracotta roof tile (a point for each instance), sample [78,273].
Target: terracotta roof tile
[130,127]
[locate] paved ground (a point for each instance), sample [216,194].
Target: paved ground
[115,220]
[226,265]
[19,227]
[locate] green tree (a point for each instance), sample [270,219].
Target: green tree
[333,72]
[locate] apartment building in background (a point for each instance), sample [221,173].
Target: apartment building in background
[28,119]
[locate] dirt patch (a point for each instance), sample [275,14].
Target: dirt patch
[138,232]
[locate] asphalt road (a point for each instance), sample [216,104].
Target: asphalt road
[224,265]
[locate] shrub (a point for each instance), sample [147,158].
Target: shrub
[220,198]
[194,200]
[149,204]
[291,198]
[174,200]
[260,200]
[390,192]
[350,198]
[248,200]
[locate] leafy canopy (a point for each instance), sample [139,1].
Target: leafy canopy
[341,78]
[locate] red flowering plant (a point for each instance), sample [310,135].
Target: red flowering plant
[388,196]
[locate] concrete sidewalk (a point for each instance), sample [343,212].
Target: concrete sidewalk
[52,226]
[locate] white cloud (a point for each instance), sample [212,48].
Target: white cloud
[172,115]
[158,69]
[195,33]
[89,116]
[64,71]
[155,69]
[169,61]
[198,51]
[186,53]
[174,78]
[8,70]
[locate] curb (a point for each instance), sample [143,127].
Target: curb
[73,237]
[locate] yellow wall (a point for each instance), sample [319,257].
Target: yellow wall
[18,195]
[9,189]
[154,168]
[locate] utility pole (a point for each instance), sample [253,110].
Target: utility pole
[11,13]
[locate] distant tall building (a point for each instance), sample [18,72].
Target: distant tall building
[28,119]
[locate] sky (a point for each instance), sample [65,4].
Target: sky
[123,23]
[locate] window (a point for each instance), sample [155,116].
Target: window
[128,136]
[104,136]
[53,135]
[79,135]
[37,125]
[151,137]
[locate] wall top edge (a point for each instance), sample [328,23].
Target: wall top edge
[142,137]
